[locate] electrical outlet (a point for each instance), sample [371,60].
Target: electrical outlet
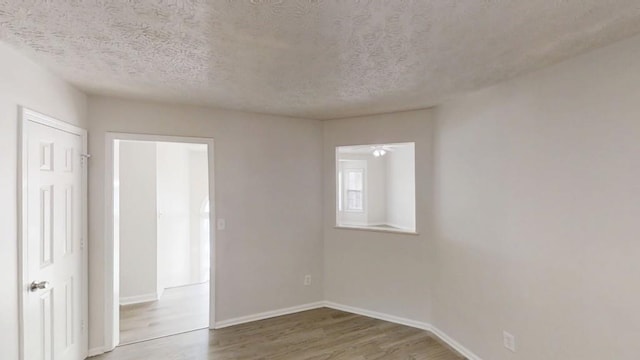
[307,280]
[509,341]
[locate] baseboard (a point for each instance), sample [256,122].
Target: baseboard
[378,315]
[268,314]
[454,344]
[130,300]
[407,322]
[95,351]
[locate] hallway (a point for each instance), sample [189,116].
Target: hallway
[180,309]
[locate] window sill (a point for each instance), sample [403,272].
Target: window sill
[376,229]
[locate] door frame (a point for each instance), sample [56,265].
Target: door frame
[111,305]
[26,115]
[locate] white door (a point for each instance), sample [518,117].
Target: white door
[53,259]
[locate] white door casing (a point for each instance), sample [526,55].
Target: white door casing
[53,239]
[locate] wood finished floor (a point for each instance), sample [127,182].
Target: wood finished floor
[320,334]
[180,309]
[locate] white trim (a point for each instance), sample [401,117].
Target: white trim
[111,326]
[268,314]
[96,351]
[138,299]
[454,344]
[379,315]
[36,117]
[408,322]
[26,115]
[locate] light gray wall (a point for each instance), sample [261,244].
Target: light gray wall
[268,188]
[138,230]
[22,82]
[388,273]
[376,199]
[401,187]
[538,201]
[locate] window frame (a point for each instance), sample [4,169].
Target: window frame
[345,190]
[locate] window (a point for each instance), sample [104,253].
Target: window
[375,187]
[354,190]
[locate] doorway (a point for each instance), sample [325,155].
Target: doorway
[162,248]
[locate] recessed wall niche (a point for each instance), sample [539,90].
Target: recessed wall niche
[375,187]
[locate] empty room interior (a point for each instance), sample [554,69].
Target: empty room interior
[320,179]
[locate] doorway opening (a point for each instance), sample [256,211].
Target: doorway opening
[162,246]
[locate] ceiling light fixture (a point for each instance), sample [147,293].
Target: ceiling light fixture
[379,152]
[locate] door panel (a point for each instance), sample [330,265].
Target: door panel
[46,308]
[46,226]
[68,220]
[53,229]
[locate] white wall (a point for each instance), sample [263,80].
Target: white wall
[174,237]
[22,82]
[138,235]
[388,273]
[198,192]
[538,201]
[268,188]
[401,187]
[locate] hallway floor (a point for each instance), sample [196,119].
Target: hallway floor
[180,309]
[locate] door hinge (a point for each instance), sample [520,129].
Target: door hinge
[84,158]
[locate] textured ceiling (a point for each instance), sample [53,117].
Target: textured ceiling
[307,58]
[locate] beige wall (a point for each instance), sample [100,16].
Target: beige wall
[388,273]
[268,188]
[22,82]
[538,207]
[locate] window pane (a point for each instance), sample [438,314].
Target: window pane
[355,180]
[354,200]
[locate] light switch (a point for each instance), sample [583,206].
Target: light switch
[222,224]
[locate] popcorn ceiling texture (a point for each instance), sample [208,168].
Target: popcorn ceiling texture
[307,58]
